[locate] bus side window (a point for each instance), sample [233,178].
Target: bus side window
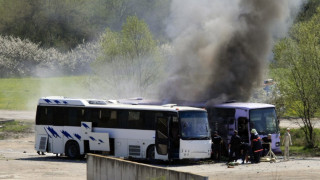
[113,119]
[134,120]
[41,118]
[103,120]
[122,118]
[92,115]
[59,115]
[108,119]
[49,115]
[74,117]
[149,120]
[44,115]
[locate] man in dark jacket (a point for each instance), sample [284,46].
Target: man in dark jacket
[256,146]
[216,146]
[234,146]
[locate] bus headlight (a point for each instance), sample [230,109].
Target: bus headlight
[277,144]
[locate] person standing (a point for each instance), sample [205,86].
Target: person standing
[256,146]
[234,146]
[287,142]
[216,146]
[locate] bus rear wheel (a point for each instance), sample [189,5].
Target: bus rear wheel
[72,149]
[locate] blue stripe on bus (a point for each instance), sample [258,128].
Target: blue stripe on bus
[47,132]
[77,136]
[85,125]
[47,100]
[66,134]
[53,132]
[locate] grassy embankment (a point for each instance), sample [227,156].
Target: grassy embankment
[14,129]
[23,93]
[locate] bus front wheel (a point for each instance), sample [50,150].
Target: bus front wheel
[72,149]
[151,154]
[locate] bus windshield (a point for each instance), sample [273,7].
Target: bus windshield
[264,121]
[194,125]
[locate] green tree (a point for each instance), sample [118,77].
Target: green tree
[296,70]
[130,58]
[308,10]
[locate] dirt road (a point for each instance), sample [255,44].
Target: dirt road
[18,160]
[11,114]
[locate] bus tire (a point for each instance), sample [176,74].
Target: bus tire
[151,154]
[72,149]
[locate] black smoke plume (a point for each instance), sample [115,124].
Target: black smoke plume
[221,47]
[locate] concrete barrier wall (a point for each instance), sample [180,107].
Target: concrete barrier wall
[102,167]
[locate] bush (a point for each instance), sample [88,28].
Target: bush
[21,58]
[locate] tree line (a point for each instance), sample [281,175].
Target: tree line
[66,24]
[67,36]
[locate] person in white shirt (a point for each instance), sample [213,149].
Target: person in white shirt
[286,142]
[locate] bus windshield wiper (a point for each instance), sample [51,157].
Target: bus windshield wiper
[196,138]
[188,138]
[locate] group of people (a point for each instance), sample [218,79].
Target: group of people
[239,147]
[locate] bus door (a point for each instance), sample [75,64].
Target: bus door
[243,128]
[243,124]
[174,137]
[231,127]
[162,138]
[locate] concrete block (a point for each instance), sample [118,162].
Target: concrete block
[103,167]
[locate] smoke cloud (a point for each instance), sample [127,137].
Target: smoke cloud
[221,47]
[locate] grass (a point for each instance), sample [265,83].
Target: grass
[23,93]
[14,128]
[302,151]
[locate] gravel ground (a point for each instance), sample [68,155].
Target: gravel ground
[18,160]
[296,168]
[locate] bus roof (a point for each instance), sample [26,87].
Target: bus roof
[244,105]
[198,104]
[63,101]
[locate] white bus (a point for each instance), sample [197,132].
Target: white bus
[227,117]
[78,126]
